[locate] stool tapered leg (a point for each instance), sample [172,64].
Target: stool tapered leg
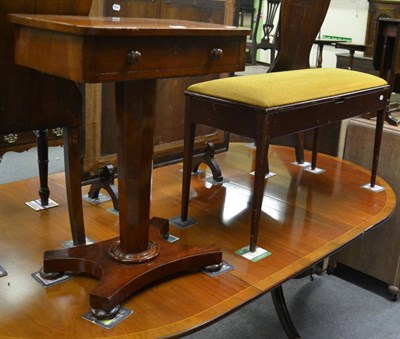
[299,147]
[261,167]
[315,149]
[380,117]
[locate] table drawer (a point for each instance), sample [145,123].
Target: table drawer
[99,51]
[163,57]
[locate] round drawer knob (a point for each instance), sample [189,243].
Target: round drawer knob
[216,54]
[134,57]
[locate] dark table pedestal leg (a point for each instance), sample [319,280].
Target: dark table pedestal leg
[283,313]
[106,183]
[43,163]
[209,159]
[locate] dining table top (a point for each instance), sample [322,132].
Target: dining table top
[306,217]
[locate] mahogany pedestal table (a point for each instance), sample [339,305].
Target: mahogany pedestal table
[133,53]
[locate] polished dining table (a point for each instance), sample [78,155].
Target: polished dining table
[133,53]
[306,218]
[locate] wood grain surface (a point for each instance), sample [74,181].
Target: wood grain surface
[305,218]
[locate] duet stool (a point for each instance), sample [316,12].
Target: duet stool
[265,106]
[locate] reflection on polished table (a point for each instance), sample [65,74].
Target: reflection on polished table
[305,218]
[133,52]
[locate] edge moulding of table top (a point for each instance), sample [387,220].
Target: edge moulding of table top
[133,52]
[305,218]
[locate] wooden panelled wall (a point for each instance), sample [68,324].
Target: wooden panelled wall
[378,9]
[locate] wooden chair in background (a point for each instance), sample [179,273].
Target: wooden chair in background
[294,45]
[30,100]
[267,41]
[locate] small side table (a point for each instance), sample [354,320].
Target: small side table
[352,48]
[321,43]
[133,52]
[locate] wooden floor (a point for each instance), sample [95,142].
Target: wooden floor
[306,217]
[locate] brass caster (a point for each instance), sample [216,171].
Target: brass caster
[213,268]
[51,275]
[105,315]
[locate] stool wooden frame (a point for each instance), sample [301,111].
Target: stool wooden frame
[263,124]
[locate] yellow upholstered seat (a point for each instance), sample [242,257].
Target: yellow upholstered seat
[283,88]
